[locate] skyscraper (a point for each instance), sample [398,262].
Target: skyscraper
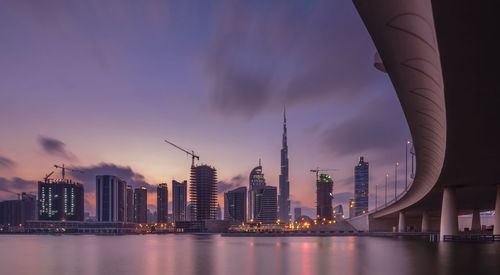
[235,205]
[162,203]
[60,200]
[130,204]
[111,199]
[284,184]
[140,205]
[256,180]
[361,187]
[203,192]
[265,204]
[179,200]
[324,189]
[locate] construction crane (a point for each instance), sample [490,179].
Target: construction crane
[317,170]
[10,192]
[192,154]
[66,168]
[46,178]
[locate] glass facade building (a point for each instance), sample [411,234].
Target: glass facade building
[361,187]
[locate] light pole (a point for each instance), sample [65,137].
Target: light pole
[396,180]
[412,153]
[376,188]
[406,163]
[386,177]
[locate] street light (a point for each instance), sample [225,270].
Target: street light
[386,177]
[376,188]
[396,180]
[406,163]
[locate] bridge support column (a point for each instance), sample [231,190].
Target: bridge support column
[476,221]
[496,228]
[449,214]
[402,222]
[425,222]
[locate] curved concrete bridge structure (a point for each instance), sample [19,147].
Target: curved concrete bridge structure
[443,58]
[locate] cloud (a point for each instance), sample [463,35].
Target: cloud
[10,187]
[124,172]
[224,186]
[55,147]
[380,127]
[286,52]
[6,163]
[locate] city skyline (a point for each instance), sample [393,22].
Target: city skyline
[147,102]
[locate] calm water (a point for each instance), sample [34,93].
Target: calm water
[212,254]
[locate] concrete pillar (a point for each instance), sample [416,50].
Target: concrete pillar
[476,221]
[402,222]
[425,221]
[449,214]
[496,228]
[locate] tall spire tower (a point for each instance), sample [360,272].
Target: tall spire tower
[284,184]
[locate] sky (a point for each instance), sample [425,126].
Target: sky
[98,85]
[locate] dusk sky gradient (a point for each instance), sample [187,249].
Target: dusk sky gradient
[98,85]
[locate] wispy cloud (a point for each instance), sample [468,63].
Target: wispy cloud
[285,52]
[55,147]
[6,163]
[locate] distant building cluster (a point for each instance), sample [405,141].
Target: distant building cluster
[194,205]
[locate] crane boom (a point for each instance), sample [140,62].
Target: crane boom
[192,154]
[317,170]
[65,168]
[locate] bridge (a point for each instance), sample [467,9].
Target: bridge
[443,58]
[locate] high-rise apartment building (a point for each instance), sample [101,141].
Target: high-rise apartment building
[130,204]
[111,199]
[203,192]
[141,205]
[162,203]
[179,200]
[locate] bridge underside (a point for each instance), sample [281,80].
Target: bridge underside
[467,73]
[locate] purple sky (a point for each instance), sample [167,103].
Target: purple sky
[99,84]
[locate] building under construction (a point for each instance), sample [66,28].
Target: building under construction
[60,200]
[324,189]
[203,193]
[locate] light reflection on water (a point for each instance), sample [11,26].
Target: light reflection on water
[212,254]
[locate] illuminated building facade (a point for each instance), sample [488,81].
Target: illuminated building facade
[60,200]
[361,187]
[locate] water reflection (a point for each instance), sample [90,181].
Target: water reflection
[212,254]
